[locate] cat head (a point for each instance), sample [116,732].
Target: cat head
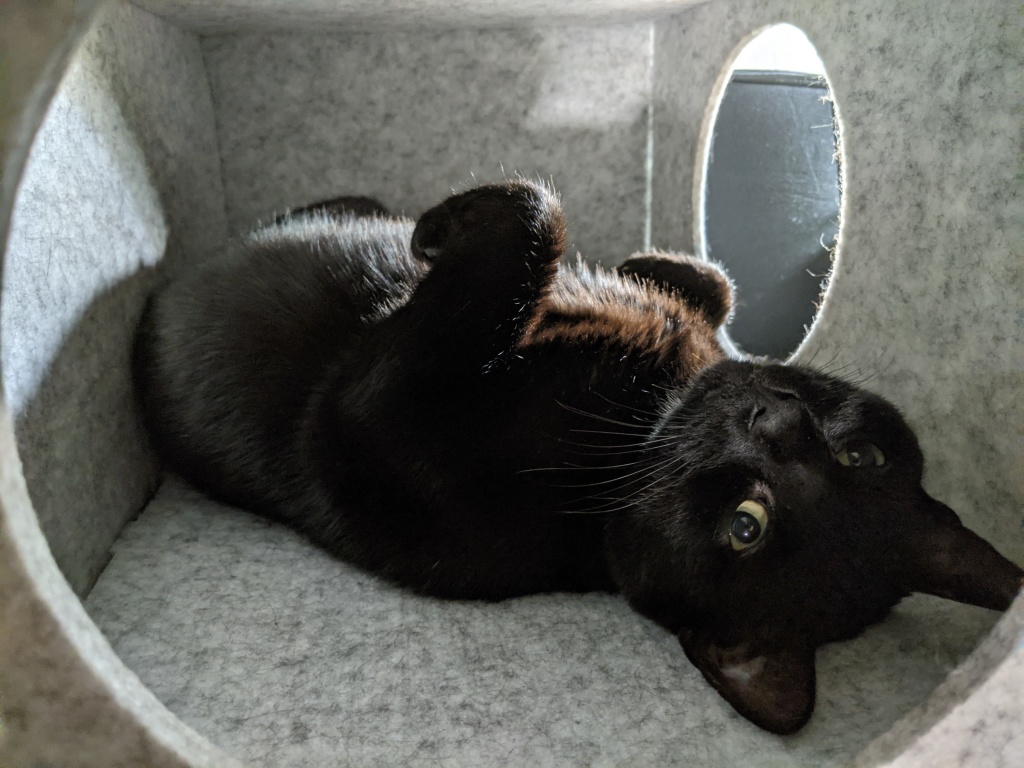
[788,513]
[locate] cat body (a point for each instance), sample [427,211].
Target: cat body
[450,406]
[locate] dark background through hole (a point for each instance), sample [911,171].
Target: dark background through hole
[772,204]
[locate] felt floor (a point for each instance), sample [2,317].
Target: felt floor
[284,656]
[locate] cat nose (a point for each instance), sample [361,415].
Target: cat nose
[777,420]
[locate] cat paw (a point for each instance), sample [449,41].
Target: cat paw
[702,285]
[521,216]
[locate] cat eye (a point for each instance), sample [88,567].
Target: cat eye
[860,454]
[748,525]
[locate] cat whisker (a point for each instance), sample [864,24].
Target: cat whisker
[598,451]
[665,468]
[572,409]
[642,442]
[641,492]
[605,432]
[837,370]
[641,411]
[618,485]
[624,448]
[810,363]
[616,482]
[601,453]
[623,481]
[594,511]
[826,367]
[850,374]
[864,380]
[577,467]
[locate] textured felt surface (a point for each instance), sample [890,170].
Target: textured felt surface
[973,718]
[233,15]
[406,116]
[284,656]
[123,168]
[65,697]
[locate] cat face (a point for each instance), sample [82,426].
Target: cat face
[788,513]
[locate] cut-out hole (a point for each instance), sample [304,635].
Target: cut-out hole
[771,187]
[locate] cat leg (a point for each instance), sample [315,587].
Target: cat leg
[409,429]
[493,252]
[338,207]
[702,285]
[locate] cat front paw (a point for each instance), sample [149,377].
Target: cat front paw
[519,216]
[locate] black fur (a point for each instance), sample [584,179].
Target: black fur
[449,407]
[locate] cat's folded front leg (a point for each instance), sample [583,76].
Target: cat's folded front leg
[493,252]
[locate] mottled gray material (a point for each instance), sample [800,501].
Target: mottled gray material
[65,697]
[974,716]
[233,15]
[925,298]
[284,656]
[406,116]
[124,166]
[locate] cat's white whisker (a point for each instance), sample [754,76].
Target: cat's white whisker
[572,409]
[664,468]
[579,468]
[604,432]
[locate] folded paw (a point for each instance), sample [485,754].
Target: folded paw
[516,216]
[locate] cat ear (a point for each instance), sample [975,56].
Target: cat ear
[773,690]
[944,558]
[701,284]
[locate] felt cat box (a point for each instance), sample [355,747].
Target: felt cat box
[142,625]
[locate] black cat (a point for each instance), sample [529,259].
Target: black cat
[452,409]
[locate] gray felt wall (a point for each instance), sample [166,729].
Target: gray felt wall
[124,171]
[180,125]
[407,116]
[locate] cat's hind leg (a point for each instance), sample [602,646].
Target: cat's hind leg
[422,397]
[702,285]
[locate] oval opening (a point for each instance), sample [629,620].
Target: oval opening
[770,193]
